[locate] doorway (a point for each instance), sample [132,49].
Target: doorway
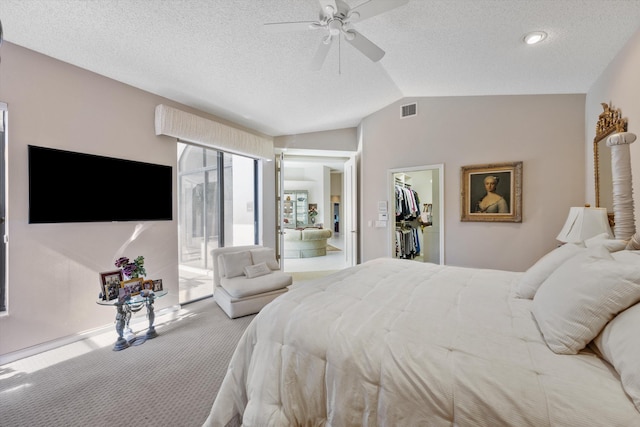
[416,197]
[313,182]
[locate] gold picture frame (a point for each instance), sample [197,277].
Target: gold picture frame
[132,287]
[491,192]
[148,284]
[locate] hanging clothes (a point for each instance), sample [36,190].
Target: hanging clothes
[407,203]
[407,243]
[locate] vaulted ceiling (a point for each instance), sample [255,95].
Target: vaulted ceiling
[215,55]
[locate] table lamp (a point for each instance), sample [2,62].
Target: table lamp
[584,223]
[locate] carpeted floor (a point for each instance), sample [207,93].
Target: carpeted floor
[171,380]
[304,276]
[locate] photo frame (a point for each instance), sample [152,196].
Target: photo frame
[132,287]
[110,283]
[147,284]
[491,192]
[157,285]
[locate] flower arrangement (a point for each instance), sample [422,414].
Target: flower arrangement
[131,270]
[313,211]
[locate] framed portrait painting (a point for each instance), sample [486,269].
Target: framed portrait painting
[492,192]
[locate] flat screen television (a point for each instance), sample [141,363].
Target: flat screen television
[66,186]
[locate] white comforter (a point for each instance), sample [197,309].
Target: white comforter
[401,343]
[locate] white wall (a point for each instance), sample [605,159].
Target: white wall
[619,85]
[545,132]
[53,269]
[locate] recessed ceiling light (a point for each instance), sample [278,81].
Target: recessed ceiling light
[534,37]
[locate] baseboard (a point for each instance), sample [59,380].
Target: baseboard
[51,345]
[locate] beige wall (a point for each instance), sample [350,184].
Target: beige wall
[619,85]
[53,269]
[545,132]
[333,140]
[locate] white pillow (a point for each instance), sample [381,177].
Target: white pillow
[578,299]
[235,262]
[221,271]
[256,270]
[612,245]
[538,272]
[619,344]
[266,255]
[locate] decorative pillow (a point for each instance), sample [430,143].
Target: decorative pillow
[221,271]
[266,255]
[578,299]
[538,272]
[256,270]
[235,262]
[619,344]
[603,239]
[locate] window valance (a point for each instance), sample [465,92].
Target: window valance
[191,128]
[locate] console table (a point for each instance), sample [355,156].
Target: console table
[126,337]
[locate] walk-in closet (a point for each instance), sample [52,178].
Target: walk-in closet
[415,207]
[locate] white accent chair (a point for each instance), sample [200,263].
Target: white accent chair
[239,295]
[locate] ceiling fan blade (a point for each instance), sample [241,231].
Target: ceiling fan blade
[328,8]
[374,7]
[364,45]
[283,27]
[320,56]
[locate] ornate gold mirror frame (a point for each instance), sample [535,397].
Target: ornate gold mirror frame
[610,121]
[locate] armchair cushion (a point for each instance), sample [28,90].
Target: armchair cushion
[235,262]
[266,255]
[241,287]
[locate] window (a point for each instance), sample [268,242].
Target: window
[216,208]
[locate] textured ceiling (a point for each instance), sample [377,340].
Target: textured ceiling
[215,56]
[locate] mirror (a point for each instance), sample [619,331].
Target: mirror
[610,121]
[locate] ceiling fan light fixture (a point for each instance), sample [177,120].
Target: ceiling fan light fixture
[534,37]
[335,25]
[349,35]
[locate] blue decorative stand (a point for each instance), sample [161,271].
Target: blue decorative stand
[126,337]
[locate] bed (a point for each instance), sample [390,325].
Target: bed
[400,343]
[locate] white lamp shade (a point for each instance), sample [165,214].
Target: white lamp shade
[584,223]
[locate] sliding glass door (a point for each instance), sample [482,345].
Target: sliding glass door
[216,207]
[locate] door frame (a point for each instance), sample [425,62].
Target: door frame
[391,196]
[349,208]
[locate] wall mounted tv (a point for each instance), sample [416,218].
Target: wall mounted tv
[65,186]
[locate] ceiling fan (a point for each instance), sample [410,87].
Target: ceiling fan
[336,19]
